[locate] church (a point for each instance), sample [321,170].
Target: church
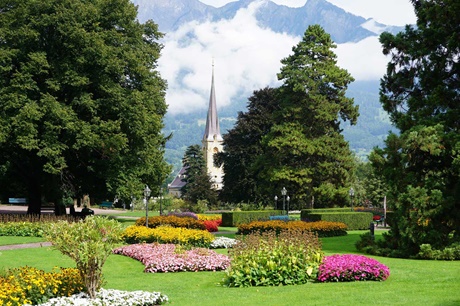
[211,144]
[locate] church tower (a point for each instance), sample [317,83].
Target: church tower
[212,139]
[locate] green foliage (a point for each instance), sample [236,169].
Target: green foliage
[236,218]
[421,93]
[88,243]
[353,220]
[289,258]
[22,229]
[198,183]
[451,252]
[304,150]
[82,101]
[242,146]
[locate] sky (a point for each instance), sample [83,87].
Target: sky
[247,57]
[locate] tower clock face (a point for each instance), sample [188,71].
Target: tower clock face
[215,150]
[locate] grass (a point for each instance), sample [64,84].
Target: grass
[8,240]
[411,282]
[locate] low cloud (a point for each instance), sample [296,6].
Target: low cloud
[246,57]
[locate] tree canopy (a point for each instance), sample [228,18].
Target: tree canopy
[198,182]
[81,100]
[290,136]
[305,150]
[420,90]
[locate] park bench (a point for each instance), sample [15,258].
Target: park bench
[380,220]
[106,204]
[17,200]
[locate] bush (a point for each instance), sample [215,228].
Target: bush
[172,221]
[211,225]
[348,268]
[88,242]
[165,234]
[321,228]
[213,217]
[22,229]
[236,218]
[353,220]
[267,259]
[450,253]
[28,285]
[174,258]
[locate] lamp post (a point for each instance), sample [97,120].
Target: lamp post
[283,192]
[276,202]
[161,202]
[147,192]
[351,192]
[288,198]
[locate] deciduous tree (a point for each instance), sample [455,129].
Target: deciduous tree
[81,100]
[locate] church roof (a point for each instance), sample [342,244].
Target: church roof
[178,182]
[212,129]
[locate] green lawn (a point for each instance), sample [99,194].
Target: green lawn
[411,282]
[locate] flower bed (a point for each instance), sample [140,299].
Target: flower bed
[348,268]
[174,221]
[111,297]
[173,258]
[30,285]
[165,234]
[322,228]
[223,243]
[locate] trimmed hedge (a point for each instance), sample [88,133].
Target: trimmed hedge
[353,220]
[235,218]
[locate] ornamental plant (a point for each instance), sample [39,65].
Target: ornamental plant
[173,221]
[174,258]
[223,243]
[88,242]
[269,259]
[28,285]
[348,268]
[321,228]
[111,297]
[166,234]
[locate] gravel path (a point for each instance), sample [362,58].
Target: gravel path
[24,246]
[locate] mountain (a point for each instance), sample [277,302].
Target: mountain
[187,129]
[341,25]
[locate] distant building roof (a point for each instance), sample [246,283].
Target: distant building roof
[178,182]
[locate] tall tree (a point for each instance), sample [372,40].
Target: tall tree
[81,101]
[242,145]
[198,182]
[420,90]
[305,151]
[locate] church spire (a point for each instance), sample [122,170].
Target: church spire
[212,130]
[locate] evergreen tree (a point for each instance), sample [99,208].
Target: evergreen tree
[242,146]
[421,93]
[81,100]
[198,182]
[304,150]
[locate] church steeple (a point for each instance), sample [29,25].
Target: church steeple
[212,130]
[212,140]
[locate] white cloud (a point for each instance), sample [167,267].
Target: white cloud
[363,60]
[246,58]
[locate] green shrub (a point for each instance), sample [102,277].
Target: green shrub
[22,229]
[236,218]
[450,253]
[353,220]
[267,259]
[88,242]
